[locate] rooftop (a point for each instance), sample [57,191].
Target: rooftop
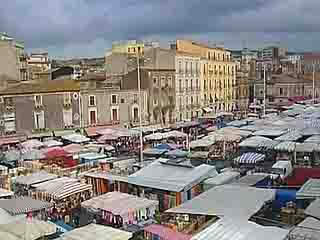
[97,232]
[160,175]
[221,201]
[43,87]
[240,230]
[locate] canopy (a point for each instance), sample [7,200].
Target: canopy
[56,152]
[32,143]
[76,138]
[107,137]
[26,229]
[63,187]
[286,146]
[258,142]
[167,146]
[32,154]
[250,158]
[73,148]
[119,203]
[52,143]
[96,232]
[177,153]
[166,233]
[227,229]
[290,136]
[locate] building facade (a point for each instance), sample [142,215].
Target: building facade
[188,86]
[160,87]
[13,61]
[281,88]
[30,108]
[217,74]
[107,106]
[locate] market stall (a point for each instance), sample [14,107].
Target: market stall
[118,209]
[66,194]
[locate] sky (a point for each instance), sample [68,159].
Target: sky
[86,28]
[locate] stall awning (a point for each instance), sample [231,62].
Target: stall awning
[23,205]
[250,158]
[207,109]
[166,233]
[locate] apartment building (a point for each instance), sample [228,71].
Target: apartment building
[101,106]
[36,108]
[13,65]
[188,86]
[217,74]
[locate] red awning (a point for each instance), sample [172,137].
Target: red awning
[56,152]
[166,233]
[92,131]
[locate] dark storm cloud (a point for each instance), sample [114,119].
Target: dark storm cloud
[57,23]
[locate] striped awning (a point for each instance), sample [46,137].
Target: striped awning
[285,146]
[22,205]
[250,158]
[61,188]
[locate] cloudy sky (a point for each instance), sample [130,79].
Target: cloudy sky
[76,28]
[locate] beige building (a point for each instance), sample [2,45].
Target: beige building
[13,65]
[188,90]
[217,74]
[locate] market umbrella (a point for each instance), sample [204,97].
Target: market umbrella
[107,137]
[26,229]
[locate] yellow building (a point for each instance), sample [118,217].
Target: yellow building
[129,47]
[217,74]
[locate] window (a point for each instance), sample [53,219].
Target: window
[92,101]
[191,85]
[191,99]
[128,50]
[187,67]
[114,114]
[114,99]
[197,100]
[163,81]
[155,80]
[197,84]
[92,117]
[39,120]
[8,101]
[169,81]
[186,84]
[180,67]
[67,98]
[122,100]
[135,114]
[135,98]
[197,67]
[38,100]
[191,70]
[180,85]
[67,117]
[155,101]
[281,91]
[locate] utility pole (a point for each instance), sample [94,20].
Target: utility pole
[140,119]
[313,73]
[264,91]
